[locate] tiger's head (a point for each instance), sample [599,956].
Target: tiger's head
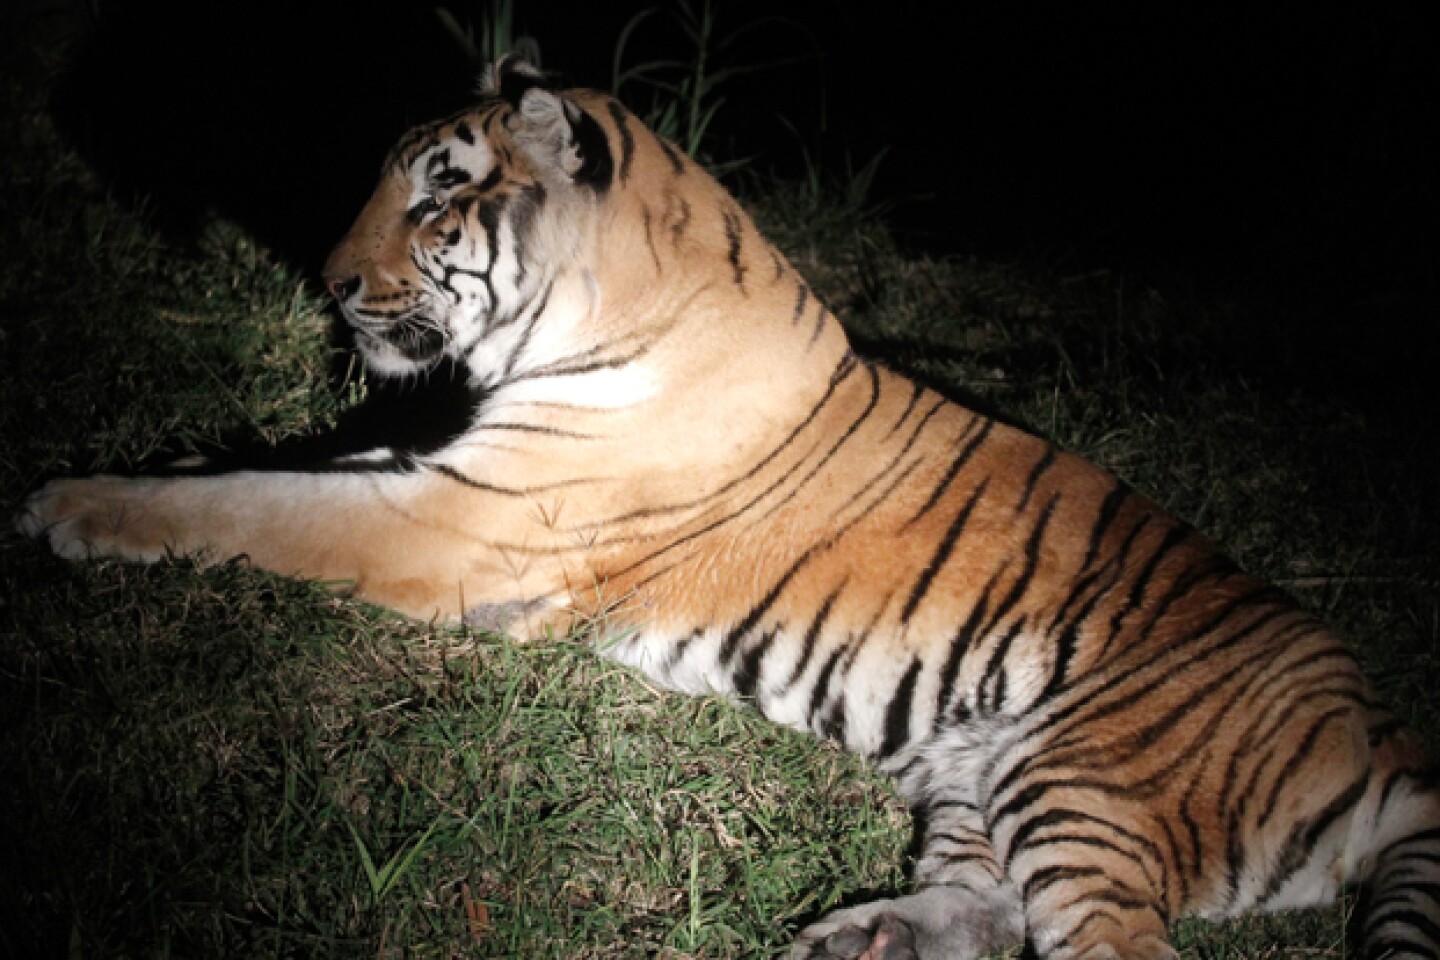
[473,218]
[560,251]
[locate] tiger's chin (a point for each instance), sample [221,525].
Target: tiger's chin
[386,359]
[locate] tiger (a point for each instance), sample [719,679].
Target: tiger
[1100,723]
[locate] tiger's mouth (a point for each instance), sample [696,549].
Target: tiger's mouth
[402,346]
[417,339]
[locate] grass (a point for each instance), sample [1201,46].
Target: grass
[219,762]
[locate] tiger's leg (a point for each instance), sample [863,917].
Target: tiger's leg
[1093,882]
[964,908]
[1075,910]
[406,540]
[1394,849]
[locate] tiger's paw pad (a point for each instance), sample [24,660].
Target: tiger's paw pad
[80,518]
[890,939]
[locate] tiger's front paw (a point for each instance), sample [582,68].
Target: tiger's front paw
[97,516]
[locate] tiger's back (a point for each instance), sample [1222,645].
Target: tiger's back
[1100,722]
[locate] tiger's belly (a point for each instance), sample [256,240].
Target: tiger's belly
[865,696]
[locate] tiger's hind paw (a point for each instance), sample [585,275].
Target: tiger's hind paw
[941,922]
[892,939]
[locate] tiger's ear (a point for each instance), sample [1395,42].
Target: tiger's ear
[510,76]
[561,138]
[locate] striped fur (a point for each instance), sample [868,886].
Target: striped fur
[1100,722]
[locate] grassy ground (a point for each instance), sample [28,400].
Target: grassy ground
[224,763]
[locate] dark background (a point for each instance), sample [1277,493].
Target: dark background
[1279,157]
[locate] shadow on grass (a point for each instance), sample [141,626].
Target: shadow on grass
[160,786]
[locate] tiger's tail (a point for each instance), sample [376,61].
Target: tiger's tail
[1398,912]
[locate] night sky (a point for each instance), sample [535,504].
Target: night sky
[1278,155]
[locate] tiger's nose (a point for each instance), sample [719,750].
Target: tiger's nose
[342,288]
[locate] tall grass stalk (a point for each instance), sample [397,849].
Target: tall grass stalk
[684,96]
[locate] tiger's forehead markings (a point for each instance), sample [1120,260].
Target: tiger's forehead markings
[451,163]
[457,131]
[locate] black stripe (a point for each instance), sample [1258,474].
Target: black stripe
[807,648]
[524,341]
[1046,462]
[1109,509]
[1084,713]
[819,323]
[801,296]
[676,161]
[916,391]
[597,167]
[834,448]
[1383,731]
[1113,568]
[440,158]
[595,358]
[1046,877]
[1099,843]
[833,725]
[897,713]
[533,428]
[994,675]
[524,213]
[924,421]
[749,621]
[1403,892]
[1172,847]
[822,687]
[557,369]
[1174,537]
[880,498]
[1298,755]
[843,369]
[1020,839]
[747,674]
[959,646]
[1016,592]
[1428,835]
[961,458]
[627,142]
[732,234]
[942,553]
[1215,566]
[445,470]
[1303,837]
[727,518]
[647,217]
[677,650]
[1395,946]
[492,179]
